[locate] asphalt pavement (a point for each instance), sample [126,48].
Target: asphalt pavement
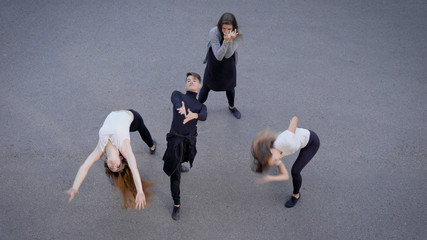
[353,71]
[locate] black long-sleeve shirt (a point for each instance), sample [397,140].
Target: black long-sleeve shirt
[191,102]
[182,137]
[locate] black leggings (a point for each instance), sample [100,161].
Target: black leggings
[305,155]
[204,92]
[138,125]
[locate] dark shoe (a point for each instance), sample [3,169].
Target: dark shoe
[155,147]
[291,202]
[175,213]
[184,168]
[235,112]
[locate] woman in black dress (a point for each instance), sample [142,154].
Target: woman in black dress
[221,59]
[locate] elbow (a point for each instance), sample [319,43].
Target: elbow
[219,54]
[203,117]
[219,58]
[282,177]
[285,176]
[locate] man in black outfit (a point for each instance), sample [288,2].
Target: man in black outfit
[187,110]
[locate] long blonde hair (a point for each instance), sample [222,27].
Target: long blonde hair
[261,153]
[123,182]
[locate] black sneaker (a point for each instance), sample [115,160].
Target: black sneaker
[155,147]
[175,213]
[235,112]
[291,202]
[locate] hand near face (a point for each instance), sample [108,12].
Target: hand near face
[233,34]
[227,37]
[230,35]
[140,201]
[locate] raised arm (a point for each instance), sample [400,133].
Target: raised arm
[232,38]
[218,50]
[130,157]
[293,124]
[83,170]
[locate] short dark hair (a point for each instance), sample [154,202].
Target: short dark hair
[194,75]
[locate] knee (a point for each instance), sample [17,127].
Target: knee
[295,172]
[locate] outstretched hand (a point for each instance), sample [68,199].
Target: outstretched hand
[140,201]
[188,117]
[72,192]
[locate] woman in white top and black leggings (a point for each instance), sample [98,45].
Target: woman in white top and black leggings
[269,148]
[120,163]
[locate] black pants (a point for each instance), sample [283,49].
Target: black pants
[138,125]
[305,155]
[175,180]
[204,92]
[188,152]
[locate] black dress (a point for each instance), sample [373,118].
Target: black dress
[220,75]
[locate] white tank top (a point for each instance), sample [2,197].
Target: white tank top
[115,128]
[289,142]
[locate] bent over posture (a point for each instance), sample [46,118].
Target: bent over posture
[269,148]
[120,163]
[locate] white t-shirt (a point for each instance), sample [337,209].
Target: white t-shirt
[115,128]
[289,142]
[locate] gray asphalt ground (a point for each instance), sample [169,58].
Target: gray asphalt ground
[352,71]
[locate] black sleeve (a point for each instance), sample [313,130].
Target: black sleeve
[176,99]
[203,114]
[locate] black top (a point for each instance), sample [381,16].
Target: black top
[220,75]
[182,137]
[190,101]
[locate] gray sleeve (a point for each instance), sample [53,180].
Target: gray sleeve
[218,50]
[232,48]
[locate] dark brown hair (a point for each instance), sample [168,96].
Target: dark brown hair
[228,18]
[261,153]
[194,75]
[123,182]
